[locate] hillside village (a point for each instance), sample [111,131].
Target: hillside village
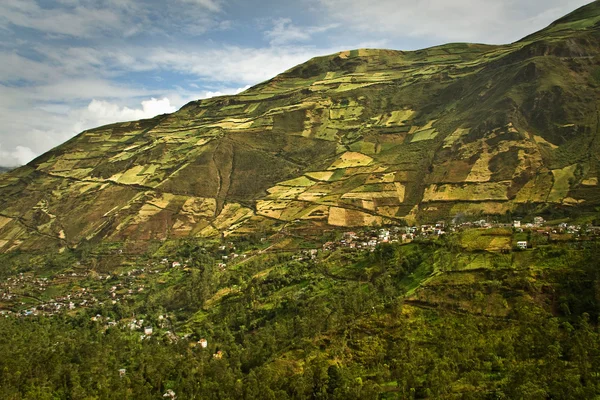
[26,295]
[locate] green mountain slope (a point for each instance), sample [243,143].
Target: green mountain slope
[357,138]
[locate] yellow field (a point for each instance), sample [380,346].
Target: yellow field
[233,124]
[379,178]
[395,118]
[320,175]
[480,172]
[345,113]
[542,141]
[271,208]
[302,181]
[4,221]
[351,159]
[199,207]
[477,192]
[162,201]
[285,192]
[232,214]
[344,217]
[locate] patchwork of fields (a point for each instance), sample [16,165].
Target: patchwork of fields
[363,137]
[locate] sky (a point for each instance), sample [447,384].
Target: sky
[71,65]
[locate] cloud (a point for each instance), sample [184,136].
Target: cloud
[19,156]
[442,21]
[93,19]
[73,71]
[285,32]
[230,63]
[211,5]
[105,112]
[72,20]
[38,129]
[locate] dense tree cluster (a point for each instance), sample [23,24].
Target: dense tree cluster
[339,328]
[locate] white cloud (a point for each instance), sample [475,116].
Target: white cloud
[38,129]
[75,20]
[104,112]
[284,32]
[211,5]
[231,64]
[76,71]
[489,21]
[19,156]
[110,18]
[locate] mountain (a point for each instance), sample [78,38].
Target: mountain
[358,138]
[169,284]
[4,169]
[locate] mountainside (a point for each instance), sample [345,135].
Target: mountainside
[358,138]
[199,257]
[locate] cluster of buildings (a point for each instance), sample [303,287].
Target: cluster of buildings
[371,238]
[24,289]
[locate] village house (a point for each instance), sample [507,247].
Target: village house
[329,246]
[218,355]
[122,372]
[351,235]
[384,235]
[148,331]
[522,245]
[203,343]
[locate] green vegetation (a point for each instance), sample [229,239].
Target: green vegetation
[403,321]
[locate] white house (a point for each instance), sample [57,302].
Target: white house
[203,343]
[522,245]
[148,331]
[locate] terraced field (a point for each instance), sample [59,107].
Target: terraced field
[361,137]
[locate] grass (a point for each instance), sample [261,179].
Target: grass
[562,183]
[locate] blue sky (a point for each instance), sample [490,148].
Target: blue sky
[68,65]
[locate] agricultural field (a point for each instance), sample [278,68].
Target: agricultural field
[374,135]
